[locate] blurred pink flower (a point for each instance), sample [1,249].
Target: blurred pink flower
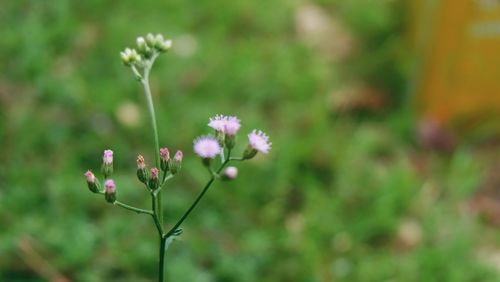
[164,154]
[259,141]
[110,186]
[107,157]
[90,176]
[206,147]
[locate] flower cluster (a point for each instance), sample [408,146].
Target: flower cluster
[226,128]
[147,48]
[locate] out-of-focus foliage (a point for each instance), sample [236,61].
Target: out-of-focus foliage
[338,199]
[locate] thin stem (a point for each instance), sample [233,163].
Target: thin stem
[237,159]
[137,210]
[162,258]
[156,219]
[151,109]
[205,189]
[149,99]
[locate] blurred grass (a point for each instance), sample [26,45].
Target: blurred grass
[338,199]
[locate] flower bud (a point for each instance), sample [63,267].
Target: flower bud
[143,48]
[130,57]
[110,191]
[174,165]
[158,40]
[164,46]
[107,163]
[92,182]
[142,173]
[230,141]
[164,159]
[150,40]
[230,173]
[154,182]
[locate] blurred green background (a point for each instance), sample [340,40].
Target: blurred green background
[348,192]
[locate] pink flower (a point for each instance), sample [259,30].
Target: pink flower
[141,164]
[230,172]
[259,141]
[225,124]
[107,157]
[218,122]
[154,173]
[90,177]
[164,154]
[232,125]
[110,186]
[178,156]
[207,147]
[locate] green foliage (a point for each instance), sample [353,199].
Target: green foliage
[328,203]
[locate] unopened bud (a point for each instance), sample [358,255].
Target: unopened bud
[143,48]
[230,141]
[107,163]
[142,173]
[164,159]
[92,182]
[249,153]
[150,40]
[154,182]
[174,165]
[230,173]
[164,46]
[158,40]
[110,191]
[130,57]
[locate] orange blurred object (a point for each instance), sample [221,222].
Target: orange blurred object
[458,42]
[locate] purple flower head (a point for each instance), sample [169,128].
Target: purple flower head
[178,156]
[207,147]
[164,154]
[154,173]
[107,157]
[232,125]
[259,141]
[90,176]
[141,164]
[230,172]
[110,186]
[225,124]
[218,122]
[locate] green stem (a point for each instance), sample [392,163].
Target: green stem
[137,210]
[156,218]
[149,99]
[162,258]
[195,203]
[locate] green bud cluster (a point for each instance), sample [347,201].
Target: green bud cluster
[147,47]
[130,57]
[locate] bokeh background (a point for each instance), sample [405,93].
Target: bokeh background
[371,178]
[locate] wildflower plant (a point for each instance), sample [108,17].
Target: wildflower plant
[208,148]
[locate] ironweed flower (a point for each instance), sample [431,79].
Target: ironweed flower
[91,181]
[107,163]
[153,179]
[164,158]
[142,173]
[110,191]
[207,147]
[258,141]
[140,61]
[174,165]
[218,123]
